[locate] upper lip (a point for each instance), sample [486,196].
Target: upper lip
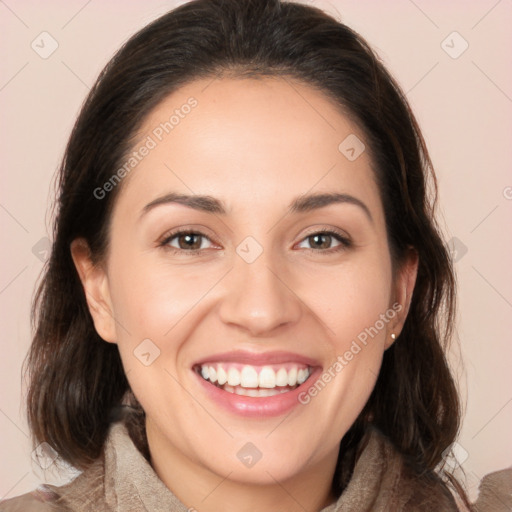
[258,359]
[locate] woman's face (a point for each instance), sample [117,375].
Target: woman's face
[295,321]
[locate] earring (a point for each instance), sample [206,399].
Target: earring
[393,336]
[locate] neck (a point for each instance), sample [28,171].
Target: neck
[206,491]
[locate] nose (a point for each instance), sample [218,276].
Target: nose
[258,299]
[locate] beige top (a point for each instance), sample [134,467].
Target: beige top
[123,481]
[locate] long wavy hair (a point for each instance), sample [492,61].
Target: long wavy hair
[77,380]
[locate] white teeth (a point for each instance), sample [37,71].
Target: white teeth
[267,378]
[302,375]
[292,377]
[238,390]
[281,377]
[233,379]
[249,377]
[222,376]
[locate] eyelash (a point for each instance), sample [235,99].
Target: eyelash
[345,242]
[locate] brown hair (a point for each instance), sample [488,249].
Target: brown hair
[76,379]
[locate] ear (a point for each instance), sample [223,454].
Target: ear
[405,280]
[96,287]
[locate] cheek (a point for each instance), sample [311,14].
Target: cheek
[353,304]
[360,325]
[150,297]
[353,297]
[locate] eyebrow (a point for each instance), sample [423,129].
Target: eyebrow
[301,204]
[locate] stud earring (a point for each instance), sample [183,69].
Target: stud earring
[393,336]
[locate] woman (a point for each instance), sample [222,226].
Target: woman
[248,300]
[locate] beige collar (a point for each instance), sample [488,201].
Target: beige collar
[124,481]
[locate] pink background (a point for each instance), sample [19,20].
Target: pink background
[464,108]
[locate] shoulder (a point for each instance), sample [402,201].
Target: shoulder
[92,489]
[84,492]
[42,499]
[495,492]
[427,492]
[401,486]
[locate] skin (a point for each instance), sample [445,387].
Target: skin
[256,144]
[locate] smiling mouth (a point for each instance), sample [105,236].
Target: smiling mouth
[254,381]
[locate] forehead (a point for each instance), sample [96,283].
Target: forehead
[264,140]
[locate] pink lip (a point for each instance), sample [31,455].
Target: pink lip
[258,359]
[257,407]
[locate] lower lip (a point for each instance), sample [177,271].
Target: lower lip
[264,406]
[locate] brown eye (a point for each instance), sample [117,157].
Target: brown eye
[187,241]
[323,241]
[320,241]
